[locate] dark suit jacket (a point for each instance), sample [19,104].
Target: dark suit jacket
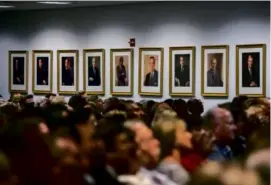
[151,82]
[182,76]
[67,77]
[96,76]
[19,73]
[247,78]
[214,80]
[121,74]
[42,74]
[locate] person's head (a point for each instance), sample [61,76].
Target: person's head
[16,62]
[214,63]
[222,125]
[163,113]
[172,136]
[148,147]
[121,61]
[250,61]
[93,61]
[40,62]
[50,96]
[181,60]
[152,63]
[134,111]
[77,101]
[67,63]
[195,107]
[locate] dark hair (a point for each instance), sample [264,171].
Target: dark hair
[108,132]
[152,57]
[121,59]
[77,102]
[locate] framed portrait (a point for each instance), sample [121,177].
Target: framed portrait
[151,71]
[67,62]
[214,70]
[251,70]
[18,70]
[122,66]
[42,61]
[182,71]
[94,67]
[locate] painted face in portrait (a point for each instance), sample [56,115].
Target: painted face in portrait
[213,63]
[121,61]
[250,61]
[152,64]
[181,61]
[67,63]
[40,63]
[94,62]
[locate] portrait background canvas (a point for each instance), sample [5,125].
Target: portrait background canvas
[214,70]
[219,68]
[182,76]
[151,73]
[146,64]
[185,77]
[255,69]
[118,85]
[126,65]
[251,83]
[67,76]
[67,71]
[97,86]
[42,61]
[95,75]
[18,71]
[44,74]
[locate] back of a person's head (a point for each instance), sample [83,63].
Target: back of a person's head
[114,104]
[77,101]
[163,113]
[170,102]
[195,106]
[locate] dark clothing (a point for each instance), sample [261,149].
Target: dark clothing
[121,74]
[214,78]
[248,77]
[18,75]
[42,75]
[67,77]
[95,74]
[182,73]
[151,79]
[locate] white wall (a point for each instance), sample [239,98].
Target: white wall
[162,24]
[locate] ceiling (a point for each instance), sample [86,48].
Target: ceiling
[33,5]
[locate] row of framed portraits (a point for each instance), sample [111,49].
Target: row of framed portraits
[250,71]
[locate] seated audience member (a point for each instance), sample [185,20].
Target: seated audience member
[173,137]
[163,113]
[224,131]
[148,152]
[180,107]
[195,109]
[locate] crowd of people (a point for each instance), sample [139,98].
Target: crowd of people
[90,141]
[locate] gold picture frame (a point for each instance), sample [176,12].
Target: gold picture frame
[218,84]
[157,88]
[50,71]
[123,87]
[67,53]
[240,64]
[94,89]
[190,53]
[18,88]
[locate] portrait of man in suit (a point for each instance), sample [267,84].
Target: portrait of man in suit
[250,71]
[182,70]
[151,78]
[67,71]
[94,76]
[18,70]
[121,73]
[42,70]
[214,76]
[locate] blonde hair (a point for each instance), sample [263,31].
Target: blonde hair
[163,113]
